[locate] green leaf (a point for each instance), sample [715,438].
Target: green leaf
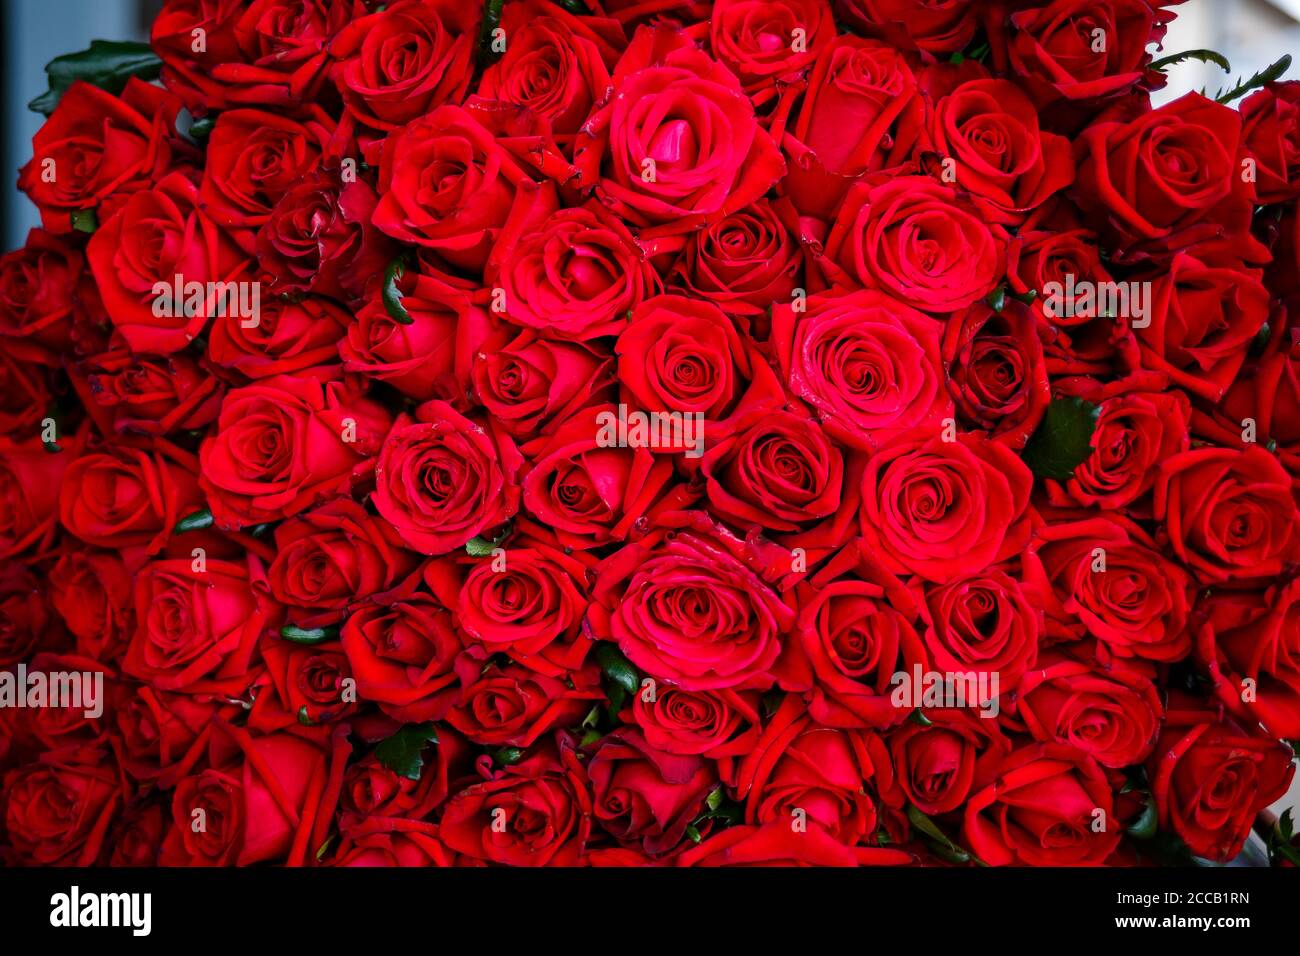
[941,844]
[1144,827]
[1270,73]
[1205,56]
[918,717]
[313,635]
[304,718]
[107,64]
[714,799]
[590,737]
[479,547]
[195,522]
[84,220]
[403,753]
[392,295]
[508,756]
[491,20]
[617,667]
[997,298]
[693,833]
[324,847]
[1063,440]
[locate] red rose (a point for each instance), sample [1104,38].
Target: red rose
[164,735]
[997,375]
[442,479]
[427,357]
[775,844]
[1252,635]
[935,761]
[534,813]
[743,263]
[721,725]
[157,235]
[319,238]
[869,365]
[30,479]
[591,495]
[129,495]
[373,794]
[291,335]
[287,442]
[678,144]
[1112,714]
[1210,778]
[915,239]
[556,64]
[94,150]
[1139,191]
[1271,131]
[934,26]
[1043,805]
[334,556]
[401,649]
[305,685]
[92,592]
[197,630]
[44,290]
[690,612]
[532,384]
[805,776]
[448,184]
[577,276]
[26,624]
[644,797]
[757,41]
[151,395]
[400,62]
[990,130]
[939,509]
[253,158]
[58,811]
[1111,583]
[861,114]
[515,705]
[1228,514]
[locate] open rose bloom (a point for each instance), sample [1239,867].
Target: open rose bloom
[651,434]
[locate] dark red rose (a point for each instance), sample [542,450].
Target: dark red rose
[152,395]
[58,810]
[92,592]
[44,290]
[406,58]
[287,442]
[30,478]
[1042,805]
[869,365]
[1112,714]
[131,494]
[577,276]
[157,235]
[942,508]
[775,844]
[374,794]
[1211,777]
[677,145]
[688,611]
[319,238]
[164,735]
[644,797]
[334,556]
[292,334]
[862,113]
[534,813]
[443,478]
[197,630]
[1228,514]
[136,835]
[917,240]
[556,64]
[95,149]
[997,375]
[26,623]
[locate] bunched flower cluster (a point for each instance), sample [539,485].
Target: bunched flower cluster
[657,433]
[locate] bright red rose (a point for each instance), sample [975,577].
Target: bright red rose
[152,395]
[290,336]
[935,760]
[515,706]
[933,26]
[532,385]
[1271,128]
[758,41]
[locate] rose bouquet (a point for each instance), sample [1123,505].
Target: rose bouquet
[650,433]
